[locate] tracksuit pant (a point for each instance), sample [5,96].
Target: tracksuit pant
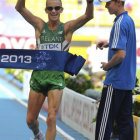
[114,105]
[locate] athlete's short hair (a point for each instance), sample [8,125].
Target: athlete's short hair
[51,0]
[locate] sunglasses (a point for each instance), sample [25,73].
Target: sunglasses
[49,8]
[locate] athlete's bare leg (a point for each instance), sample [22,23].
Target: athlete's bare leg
[54,100]
[34,105]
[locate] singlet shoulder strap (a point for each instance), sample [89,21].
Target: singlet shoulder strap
[65,45]
[45,26]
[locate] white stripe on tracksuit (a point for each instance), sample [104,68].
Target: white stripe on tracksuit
[116,32]
[105,112]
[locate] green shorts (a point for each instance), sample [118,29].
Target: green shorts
[43,81]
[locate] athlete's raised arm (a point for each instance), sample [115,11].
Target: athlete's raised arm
[28,16]
[73,25]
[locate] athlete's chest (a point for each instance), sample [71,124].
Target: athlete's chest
[51,40]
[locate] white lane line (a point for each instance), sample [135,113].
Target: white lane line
[43,118]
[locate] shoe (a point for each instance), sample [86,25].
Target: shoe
[40,136]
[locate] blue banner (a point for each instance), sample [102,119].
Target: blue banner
[41,60]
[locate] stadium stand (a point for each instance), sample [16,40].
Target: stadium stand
[74,8]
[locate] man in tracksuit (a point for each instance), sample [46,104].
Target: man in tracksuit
[116,100]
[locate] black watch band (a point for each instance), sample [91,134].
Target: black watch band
[91,1]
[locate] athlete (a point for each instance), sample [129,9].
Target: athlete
[49,83]
[116,100]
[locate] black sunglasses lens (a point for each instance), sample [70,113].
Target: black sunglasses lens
[56,8]
[49,8]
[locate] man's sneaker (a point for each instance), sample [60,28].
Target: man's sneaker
[40,136]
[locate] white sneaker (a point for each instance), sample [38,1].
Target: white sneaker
[40,136]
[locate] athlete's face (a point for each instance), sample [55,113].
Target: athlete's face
[53,9]
[112,7]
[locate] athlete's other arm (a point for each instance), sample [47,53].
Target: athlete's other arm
[73,25]
[116,59]
[36,22]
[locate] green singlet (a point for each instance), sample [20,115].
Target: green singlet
[43,80]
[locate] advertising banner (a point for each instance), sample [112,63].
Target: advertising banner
[136,127]
[78,111]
